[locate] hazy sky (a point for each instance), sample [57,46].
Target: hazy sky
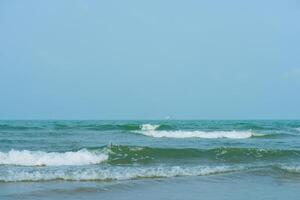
[68,59]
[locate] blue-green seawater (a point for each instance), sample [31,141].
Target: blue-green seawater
[112,151]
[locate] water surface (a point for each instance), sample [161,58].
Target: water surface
[73,159]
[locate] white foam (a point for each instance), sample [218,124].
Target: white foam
[292,169]
[149,127]
[113,173]
[150,130]
[40,158]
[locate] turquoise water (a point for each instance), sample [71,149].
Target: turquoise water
[74,153]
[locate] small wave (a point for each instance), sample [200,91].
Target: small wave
[94,127]
[18,127]
[116,173]
[111,127]
[151,130]
[131,155]
[134,154]
[149,127]
[291,169]
[40,158]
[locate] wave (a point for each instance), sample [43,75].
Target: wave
[18,127]
[133,154]
[40,158]
[291,169]
[99,127]
[151,130]
[108,126]
[171,129]
[113,173]
[127,155]
[199,134]
[76,126]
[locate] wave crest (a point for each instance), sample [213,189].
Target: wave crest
[40,158]
[149,127]
[151,130]
[292,169]
[124,155]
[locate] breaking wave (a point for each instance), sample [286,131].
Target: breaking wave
[291,169]
[106,174]
[40,158]
[124,155]
[151,130]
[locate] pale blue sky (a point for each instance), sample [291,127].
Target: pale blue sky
[149,59]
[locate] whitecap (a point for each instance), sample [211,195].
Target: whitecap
[292,169]
[150,130]
[40,158]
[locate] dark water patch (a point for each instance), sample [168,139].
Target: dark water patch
[134,154]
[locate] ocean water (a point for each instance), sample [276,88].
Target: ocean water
[156,159]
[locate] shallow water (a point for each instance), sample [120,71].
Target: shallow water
[78,159]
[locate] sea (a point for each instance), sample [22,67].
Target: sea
[150,159]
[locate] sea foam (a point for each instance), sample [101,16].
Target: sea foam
[151,130]
[115,173]
[40,158]
[291,169]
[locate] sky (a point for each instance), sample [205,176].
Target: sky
[88,59]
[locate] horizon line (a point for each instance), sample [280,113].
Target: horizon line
[243,119]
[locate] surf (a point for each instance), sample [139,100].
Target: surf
[40,158]
[151,131]
[110,174]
